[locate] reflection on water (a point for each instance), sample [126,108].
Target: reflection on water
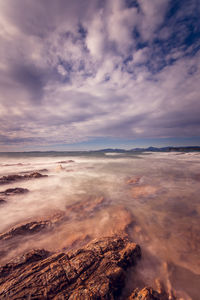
[154,197]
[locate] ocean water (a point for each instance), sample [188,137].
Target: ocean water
[155,197]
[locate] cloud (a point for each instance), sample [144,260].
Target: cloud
[73,71]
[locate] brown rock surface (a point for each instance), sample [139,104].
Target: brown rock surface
[16,177]
[143,191]
[97,271]
[85,209]
[148,293]
[24,229]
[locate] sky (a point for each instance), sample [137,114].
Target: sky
[88,74]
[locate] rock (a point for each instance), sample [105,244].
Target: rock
[133,180]
[148,293]
[24,229]
[27,258]
[14,191]
[84,209]
[96,271]
[115,220]
[143,191]
[13,178]
[10,178]
[2,201]
[75,212]
[145,294]
[59,168]
[18,164]
[65,161]
[35,175]
[35,171]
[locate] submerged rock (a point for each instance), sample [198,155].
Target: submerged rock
[84,209]
[96,271]
[76,212]
[12,178]
[144,191]
[133,180]
[65,161]
[148,293]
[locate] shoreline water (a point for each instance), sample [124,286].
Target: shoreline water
[159,190]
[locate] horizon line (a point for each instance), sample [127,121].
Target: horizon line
[102,149]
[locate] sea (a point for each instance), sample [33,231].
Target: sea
[153,197]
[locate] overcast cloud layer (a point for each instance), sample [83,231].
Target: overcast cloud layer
[76,70]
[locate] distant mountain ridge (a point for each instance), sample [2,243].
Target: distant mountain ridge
[102,151]
[154,149]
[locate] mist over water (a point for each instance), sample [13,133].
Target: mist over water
[160,191]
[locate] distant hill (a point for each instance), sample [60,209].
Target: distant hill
[169,149]
[152,149]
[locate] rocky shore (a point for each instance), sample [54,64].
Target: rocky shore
[95,271]
[98,268]
[16,177]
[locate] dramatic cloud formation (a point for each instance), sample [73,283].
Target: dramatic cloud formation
[76,70]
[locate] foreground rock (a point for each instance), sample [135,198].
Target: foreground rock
[12,178]
[147,294]
[96,271]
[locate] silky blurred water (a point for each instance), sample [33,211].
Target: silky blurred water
[163,200]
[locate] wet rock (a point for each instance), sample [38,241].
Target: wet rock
[24,260]
[145,294]
[85,209]
[75,212]
[148,293]
[65,161]
[35,175]
[133,180]
[14,191]
[96,271]
[18,164]
[2,201]
[10,178]
[24,229]
[35,171]
[59,168]
[143,191]
[115,220]
[13,178]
